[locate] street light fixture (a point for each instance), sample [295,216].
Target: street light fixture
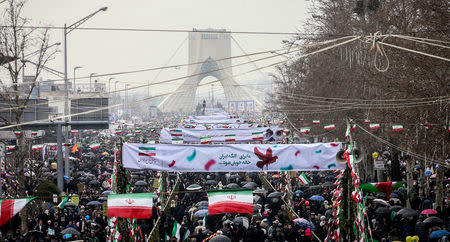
[90,81]
[74,86]
[109,85]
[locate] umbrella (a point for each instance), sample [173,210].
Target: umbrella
[103,199]
[94,203]
[106,192]
[380,201]
[429,211]
[396,208]
[211,182]
[202,204]
[70,204]
[433,220]
[260,190]
[94,182]
[408,212]
[275,194]
[233,186]
[235,176]
[250,185]
[220,238]
[439,234]
[316,198]
[383,210]
[394,195]
[140,183]
[194,187]
[303,223]
[70,231]
[395,200]
[36,233]
[90,154]
[241,220]
[201,213]
[299,192]
[327,184]
[243,183]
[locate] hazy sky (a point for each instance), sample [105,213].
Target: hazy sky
[112,51]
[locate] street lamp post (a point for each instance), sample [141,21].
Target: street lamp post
[66,31]
[74,86]
[90,81]
[109,85]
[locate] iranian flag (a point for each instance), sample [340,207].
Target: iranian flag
[176,132]
[230,201]
[386,187]
[230,137]
[286,131]
[94,132]
[130,205]
[138,131]
[177,141]
[74,131]
[374,126]
[329,127]
[147,151]
[37,147]
[53,131]
[17,132]
[62,204]
[10,147]
[118,131]
[94,146]
[10,207]
[34,132]
[447,127]
[205,140]
[397,127]
[316,121]
[257,136]
[303,179]
[305,130]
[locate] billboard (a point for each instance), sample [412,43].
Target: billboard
[37,109]
[86,104]
[241,106]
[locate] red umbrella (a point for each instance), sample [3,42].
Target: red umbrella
[429,211]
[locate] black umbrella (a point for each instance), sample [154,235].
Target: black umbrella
[94,182]
[260,191]
[251,184]
[234,176]
[433,220]
[396,208]
[36,233]
[94,203]
[70,231]
[275,194]
[233,186]
[70,204]
[220,238]
[383,210]
[408,212]
[103,199]
[211,182]
[256,207]
[140,183]
[241,220]
[243,183]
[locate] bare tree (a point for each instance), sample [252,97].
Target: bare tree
[16,42]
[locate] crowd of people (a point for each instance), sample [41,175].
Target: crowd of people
[299,213]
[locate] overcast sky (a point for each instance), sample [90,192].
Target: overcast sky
[112,51]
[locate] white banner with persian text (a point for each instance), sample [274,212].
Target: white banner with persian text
[232,158]
[193,135]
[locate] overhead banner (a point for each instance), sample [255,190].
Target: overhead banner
[193,135]
[231,158]
[217,126]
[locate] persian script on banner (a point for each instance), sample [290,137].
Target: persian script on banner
[228,158]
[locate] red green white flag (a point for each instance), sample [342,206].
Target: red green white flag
[10,207]
[305,130]
[73,131]
[94,146]
[138,131]
[316,121]
[374,126]
[130,205]
[17,132]
[329,127]
[118,131]
[147,151]
[230,137]
[37,147]
[397,127]
[258,136]
[447,127]
[94,132]
[386,187]
[230,201]
[303,179]
[177,141]
[205,140]
[34,132]
[176,132]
